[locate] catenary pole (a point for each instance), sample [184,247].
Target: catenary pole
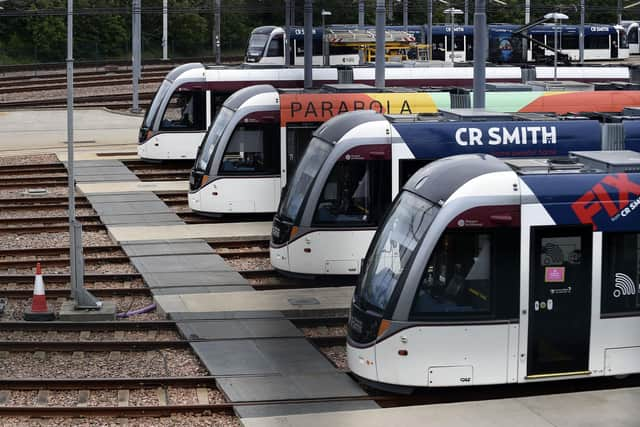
[82,298]
[581,35]
[136,52]
[165,30]
[217,30]
[479,52]
[380,53]
[308,44]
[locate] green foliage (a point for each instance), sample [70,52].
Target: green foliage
[107,32]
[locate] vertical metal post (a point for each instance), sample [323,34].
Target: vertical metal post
[361,26]
[380,35]
[453,34]
[308,44]
[405,14]
[555,49]
[82,298]
[619,12]
[430,24]
[466,12]
[165,30]
[581,35]
[527,19]
[287,30]
[480,41]
[216,20]
[325,53]
[135,53]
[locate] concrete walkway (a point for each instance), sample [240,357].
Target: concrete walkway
[611,408]
[45,131]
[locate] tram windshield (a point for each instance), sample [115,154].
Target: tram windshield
[396,241]
[150,115]
[212,137]
[257,43]
[305,174]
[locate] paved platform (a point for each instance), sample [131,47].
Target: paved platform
[291,302]
[611,408]
[132,208]
[102,154]
[101,171]
[222,232]
[45,131]
[128,186]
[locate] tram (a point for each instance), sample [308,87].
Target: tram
[357,162]
[632,28]
[190,97]
[601,42]
[490,271]
[259,136]
[255,144]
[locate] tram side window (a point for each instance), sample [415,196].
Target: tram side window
[632,37]
[276,47]
[185,110]
[621,274]
[298,137]
[596,42]
[471,274]
[252,150]
[357,192]
[570,42]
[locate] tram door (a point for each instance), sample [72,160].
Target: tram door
[559,301]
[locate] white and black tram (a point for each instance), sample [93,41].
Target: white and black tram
[358,161]
[490,271]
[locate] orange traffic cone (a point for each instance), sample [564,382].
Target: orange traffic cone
[39,310]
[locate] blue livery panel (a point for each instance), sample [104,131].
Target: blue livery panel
[632,135]
[428,140]
[609,202]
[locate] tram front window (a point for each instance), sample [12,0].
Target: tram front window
[393,248]
[306,172]
[457,277]
[257,43]
[252,150]
[356,193]
[185,111]
[212,137]
[150,115]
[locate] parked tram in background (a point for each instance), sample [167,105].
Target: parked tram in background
[256,141]
[602,42]
[633,40]
[357,162]
[489,271]
[255,144]
[190,97]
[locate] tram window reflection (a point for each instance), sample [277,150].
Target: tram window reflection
[355,193]
[186,111]
[252,150]
[457,278]
[621,274]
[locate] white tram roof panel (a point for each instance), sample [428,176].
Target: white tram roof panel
[610,161]
[580,162]
[474,114]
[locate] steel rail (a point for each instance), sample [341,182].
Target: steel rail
[92,346]
[101,326]
[45,219]
[50,228]
[103,383]
[55,251]
[62,293]
[61,262]
[64,278]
